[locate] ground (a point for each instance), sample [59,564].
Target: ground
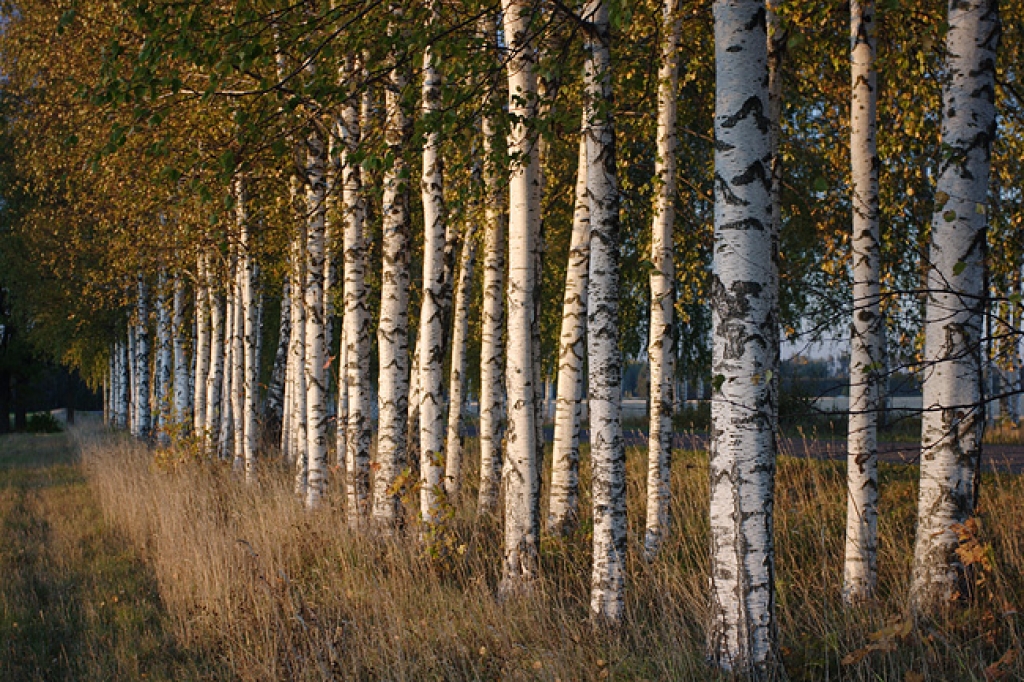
[77,601]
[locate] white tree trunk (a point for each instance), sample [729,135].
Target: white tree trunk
[133,402]
[273,413]
[215,377]
[742,636]
[251,347]
[316,339]
[202,347]
[248,332]
[661,350]
[607,449]
[457,378]
[953,419]
[492,322]
[412,431]
[181,359]
[522,527]
[162,392]
[229,444]
[860,569]
[122,394]
[145,422]
[431,337]
[393,330]
[563,509]
[356,337]
[341,416]
[296,416]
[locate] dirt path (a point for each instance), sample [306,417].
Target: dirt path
[76,602]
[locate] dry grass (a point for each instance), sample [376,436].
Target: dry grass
[279,593]
[76,600]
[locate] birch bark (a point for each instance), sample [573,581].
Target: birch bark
[215,378]
[202,348]
[742,636]
[563,509]
[860,569]
[162,385]
[492,322]
[607,450]
[316,340]
[133,383]
[181,361]
[456,384]
[661,350]
[142,359]
[430,344]
[273,413]
[393,331]
[122,397]
[522,527]
[229,444]
[356,336]
[248,333]
[953,419]
[298,416]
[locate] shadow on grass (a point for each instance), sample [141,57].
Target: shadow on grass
[76,600]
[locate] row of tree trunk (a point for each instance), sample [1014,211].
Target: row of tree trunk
[215,387]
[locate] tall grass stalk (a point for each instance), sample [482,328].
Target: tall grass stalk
[282,593]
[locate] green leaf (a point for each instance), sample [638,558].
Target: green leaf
[820,184]
[65,21]
[949,216]
[717,382]
[959,267]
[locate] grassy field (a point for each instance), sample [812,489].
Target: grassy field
[77,602]
[127,565]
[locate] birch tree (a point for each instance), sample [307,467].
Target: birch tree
[563,508]
[202,347]
[315,337]
[607,449]
[297,415]
[356,336]
[860,569]
[273,414]
[661,349]
[393,330]
[215,377]
[162,385]
[236,392]
[430,342]
[492,319]
[520,472]
[742,632]
[142,375]
[456,383]
[249,332]
[181,363]
[122,394]
[953,419]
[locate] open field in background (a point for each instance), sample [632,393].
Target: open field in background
[122,567]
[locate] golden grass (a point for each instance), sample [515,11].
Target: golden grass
[76,600]
[282,594]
